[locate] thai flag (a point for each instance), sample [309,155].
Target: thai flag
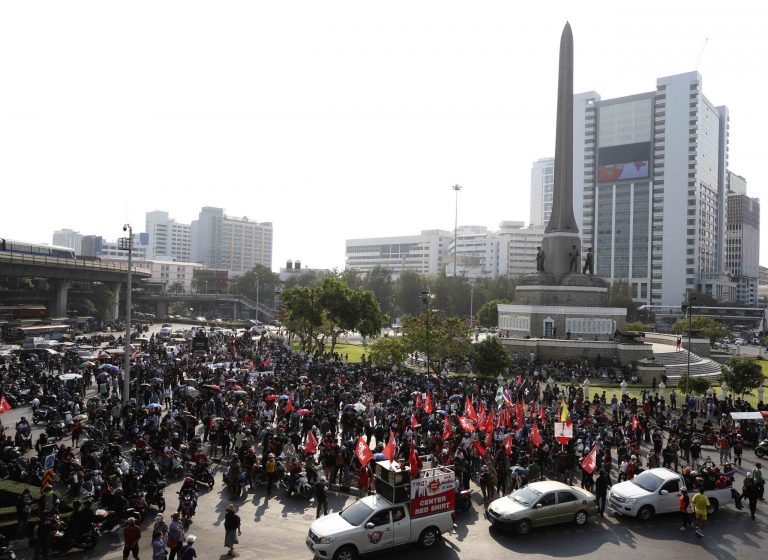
[506,397]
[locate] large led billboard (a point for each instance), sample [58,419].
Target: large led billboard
[622,163]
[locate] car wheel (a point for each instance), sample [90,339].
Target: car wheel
[714,506]
[429,537]
[581,518]
[524,527]
[645,513]
[346,553]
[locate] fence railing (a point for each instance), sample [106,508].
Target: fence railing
[46,260]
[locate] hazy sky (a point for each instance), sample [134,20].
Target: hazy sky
[332,120]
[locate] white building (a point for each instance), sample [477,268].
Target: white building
[423,253]
[228,243]
[168,239]
[167,272]
[654,190]
[68,238]
[518,247]
[743,240]
[476,254]
[542,187]
[110,250]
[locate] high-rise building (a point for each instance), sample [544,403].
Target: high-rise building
[476,253]
[424,253]
[542,186]
[167,238]
[654,184]
[92,245]
[68,238]
[763,276]
[227,243]
[743,240]
[518,247]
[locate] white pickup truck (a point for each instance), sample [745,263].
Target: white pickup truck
[658,491]
[371,524]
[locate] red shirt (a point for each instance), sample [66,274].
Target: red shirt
[132,534]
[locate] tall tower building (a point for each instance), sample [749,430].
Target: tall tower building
[228,243]
[655,191]
[542,185]
[68,238]
[743,240]
[168,239]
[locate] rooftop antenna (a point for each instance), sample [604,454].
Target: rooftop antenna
[701,53]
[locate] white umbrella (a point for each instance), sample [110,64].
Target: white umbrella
[360,407]
[70,376]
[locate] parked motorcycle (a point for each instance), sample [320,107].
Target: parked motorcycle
[63,542]
[463,501]
[6,549]
[300,487]
[762,449]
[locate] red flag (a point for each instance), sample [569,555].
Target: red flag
[542,414]
[489,423]
[635,422]
[466,424]
[519,379]
[288,406]
[447,431]
[363,452]
[311,446]
[413,461]
[481,412]
[414,423]
[535,435]
[428,407]
[479,447]
[519,414]
[469,410]
[488,439]
[4,406]
[589,463]
[508,445]
[418,400]
[391,448]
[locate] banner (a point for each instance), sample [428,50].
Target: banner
[391,448]
[589,463]
[311,446]
[535,435]
[432,494]
[469,410]
[363,452]
[564,431]
[428,407]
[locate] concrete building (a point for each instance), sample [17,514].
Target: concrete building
[476,253]
[518,247]
[68,238]
[168,239]
[763,276]
[542,185]
[654,190]
[111,250]
[743,240]
[91,245]
[423,253]
[229,243]
[166,272]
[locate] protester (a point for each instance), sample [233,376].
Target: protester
[700,504]
[231,528]
[131,537]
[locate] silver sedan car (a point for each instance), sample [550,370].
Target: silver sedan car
[542,503]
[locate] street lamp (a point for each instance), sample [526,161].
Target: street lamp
[425,298]
[688,306]
[456,189]
[257,299]
[126,244]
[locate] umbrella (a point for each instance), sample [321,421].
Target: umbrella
[70,376]
[269,388]
[457,397]
[110,368]
[380,457]
[347,407]
[240,393]
[80,417]
[270,398]
[282,398]
[212,387]
[190,382]
[146,385]
[303,411]
[360,407]
[192,392]
[230,380]
[442,413]
[153,405]
[237,388]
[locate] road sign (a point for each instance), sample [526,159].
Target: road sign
[50,461]
[47,479]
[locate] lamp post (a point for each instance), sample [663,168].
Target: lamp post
[456,189]
[126,243]
[471,305]
[688,306]
[257,299]
[425,297]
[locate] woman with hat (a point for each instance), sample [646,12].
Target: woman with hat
[232,528]
[187,551]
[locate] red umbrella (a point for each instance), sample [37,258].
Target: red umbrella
[230,380]
[237,388]
[271,398]
[303,411]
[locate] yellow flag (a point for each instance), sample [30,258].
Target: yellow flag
[564,413]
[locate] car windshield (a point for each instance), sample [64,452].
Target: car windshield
[356,513]
[647,481]
[525,496]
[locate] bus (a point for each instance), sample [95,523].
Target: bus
[11,312]
[15,334]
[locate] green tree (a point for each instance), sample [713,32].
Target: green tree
[488,314]
[175,288]
[439,338]
[407,292]
[103,299]
[259,279]
[302,315]
[499,288]
[639,326]
[369,319]
[697,385]
[489,357]
[742,375]
[379,282]
[352,278]
[306,278]
[388,351]
[707,327]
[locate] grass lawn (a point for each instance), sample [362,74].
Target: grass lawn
[354,351]
[764,365]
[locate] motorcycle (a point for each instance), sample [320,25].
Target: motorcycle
[203,473]
[154,495]
[42,414]
[6,549]
[23,438]
[56,429]
[762,449]
[62,542]
[300,485]
[463,501]
[235,482]
[187,505]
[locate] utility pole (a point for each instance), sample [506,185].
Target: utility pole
[688,307]
[126,243]
[456,189]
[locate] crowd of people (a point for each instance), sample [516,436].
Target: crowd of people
[265,415]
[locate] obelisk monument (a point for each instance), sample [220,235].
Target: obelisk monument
[561,237]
